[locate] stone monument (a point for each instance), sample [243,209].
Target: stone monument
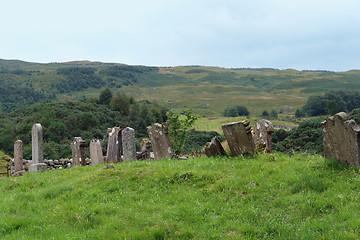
[37,163]
[341,139]
[239,137]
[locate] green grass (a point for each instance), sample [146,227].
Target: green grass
[260,197]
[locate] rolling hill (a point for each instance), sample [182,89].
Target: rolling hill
[208,90]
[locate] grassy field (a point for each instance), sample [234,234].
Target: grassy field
[215,123]
[259,197]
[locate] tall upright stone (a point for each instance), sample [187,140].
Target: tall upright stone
[128,144]
[160,141]
[263,131]
[96,153]
[37,163]
[114,145]
[18,157]
[239,137]
[214,148]
[341,138]
[78,152]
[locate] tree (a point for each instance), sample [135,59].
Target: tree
[299,113]
[179,127]
[265,114]
[105,96]
[273,114]
[236,111]
[121,103]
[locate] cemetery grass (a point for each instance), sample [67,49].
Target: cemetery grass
[253,197]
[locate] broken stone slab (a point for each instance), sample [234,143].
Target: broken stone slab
[214,148]
[341,138]
[96,153]
[160,141]
[128,144]
[239,137]
[18,156]
[78,152]
[145,149]
[262,135]
[113,153]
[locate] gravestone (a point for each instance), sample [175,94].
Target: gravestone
[37,163]
[114,145]
[239,137]
[341,138]
[96,153]
[18,157]
[214,148]
[78,152]
[160,141]
[145,149]
[262,139]
[128,144]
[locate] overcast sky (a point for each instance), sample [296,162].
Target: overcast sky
[300,34]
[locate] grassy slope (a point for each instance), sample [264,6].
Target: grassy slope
[208,90]
[265,197]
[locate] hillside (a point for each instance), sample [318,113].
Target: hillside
[260,197]
[208,90]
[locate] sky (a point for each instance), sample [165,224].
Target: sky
[299,34]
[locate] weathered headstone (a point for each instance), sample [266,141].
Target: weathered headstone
[114,145]
[214,148]
[18,157]
[160,141]
[239,137]
[263,130]
[78,152]
[96,153]
[341,139]
[37,163]
[128,144]
[145,149]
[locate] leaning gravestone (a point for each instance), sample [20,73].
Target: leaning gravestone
[160,141]
[114,145]
[239,138]
[96,154]
[18,158]
[263,130]
[37,163]
[128,144]
[214,148]
[78,151]
[341,139]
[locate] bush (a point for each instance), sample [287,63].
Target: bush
[236,111]
[306,137]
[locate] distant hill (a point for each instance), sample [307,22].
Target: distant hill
[208,90]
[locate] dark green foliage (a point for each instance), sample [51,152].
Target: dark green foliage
[332,102]
[306,137]
[79,78]
[236,111]
[273,114]
[105,96]
[299,113]
[196,140]
[265,114]
[13,95]
[120,102]
[355,114]
[62,121]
